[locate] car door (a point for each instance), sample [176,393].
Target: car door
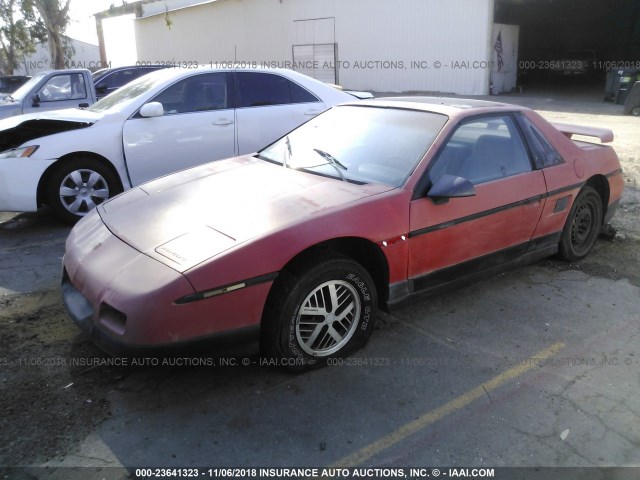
[64,90]
[197,126]
[268,106]
[454,237]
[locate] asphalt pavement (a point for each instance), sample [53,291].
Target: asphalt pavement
[537,367]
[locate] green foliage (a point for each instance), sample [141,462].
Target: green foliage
[167,18]
[20,29]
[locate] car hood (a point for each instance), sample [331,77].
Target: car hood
[188,217]
[17,130]
[9,109]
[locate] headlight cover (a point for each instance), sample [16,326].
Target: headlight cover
[21,152]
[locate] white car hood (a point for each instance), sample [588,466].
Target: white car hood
[21,129]
[68,114]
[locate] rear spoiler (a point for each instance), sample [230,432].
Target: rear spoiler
[604,134]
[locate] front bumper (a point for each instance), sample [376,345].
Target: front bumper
[126,301]
[19,179]
[82,314]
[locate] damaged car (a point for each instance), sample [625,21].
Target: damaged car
[165,121]
[369,206]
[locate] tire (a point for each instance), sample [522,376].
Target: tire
[635,112]
[78,185]
[294,337]
[583,226]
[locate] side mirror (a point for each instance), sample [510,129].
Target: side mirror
[35,100]
[450,186]
[152,109]
[101,89]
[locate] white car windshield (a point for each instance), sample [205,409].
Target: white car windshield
[130,91]
[361,144]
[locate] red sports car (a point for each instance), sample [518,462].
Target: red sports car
[365,207]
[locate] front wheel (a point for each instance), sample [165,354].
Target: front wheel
[78,185]
[323,309]
[583,226]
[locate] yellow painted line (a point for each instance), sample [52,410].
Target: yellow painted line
[433,416]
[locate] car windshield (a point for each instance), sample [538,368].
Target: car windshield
[361,144]
[24,90]
[130,91]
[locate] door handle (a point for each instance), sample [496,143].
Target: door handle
[223,122]
[312,113]
[83,105]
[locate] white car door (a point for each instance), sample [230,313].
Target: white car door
[269,106]
[65,90]
[197,127]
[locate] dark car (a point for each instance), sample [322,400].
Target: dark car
[109,80]
[10,83]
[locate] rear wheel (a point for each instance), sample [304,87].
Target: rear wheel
[582,227]
[635,112]
[322,309]
[78,185]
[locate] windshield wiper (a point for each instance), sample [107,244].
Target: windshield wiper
[333,161]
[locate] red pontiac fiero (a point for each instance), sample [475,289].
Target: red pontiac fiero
[365,207]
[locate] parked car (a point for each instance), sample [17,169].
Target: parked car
[370,205]
[10,83]
[162,122]
[108,80]
[52,90]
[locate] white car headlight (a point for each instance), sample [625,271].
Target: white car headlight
[19,152]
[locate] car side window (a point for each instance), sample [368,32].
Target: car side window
[264,89]
[68,86]
[544,154]
[482,150]
[199,93]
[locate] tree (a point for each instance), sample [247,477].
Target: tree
[55,16]
[19,30]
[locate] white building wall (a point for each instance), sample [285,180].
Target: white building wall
[382,45]
[85,55]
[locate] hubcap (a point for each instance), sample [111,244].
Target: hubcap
[328,318]
[82,190]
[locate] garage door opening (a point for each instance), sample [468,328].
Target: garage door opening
[571,44]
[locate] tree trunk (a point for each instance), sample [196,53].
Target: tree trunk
[55,21]
[9,62]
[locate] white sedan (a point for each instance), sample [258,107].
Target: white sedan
[73,160]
